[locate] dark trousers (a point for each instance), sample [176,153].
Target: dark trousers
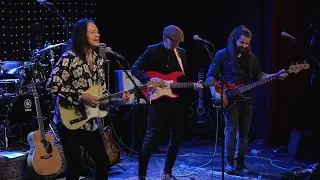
[238,121]
[92,143]
[167,114]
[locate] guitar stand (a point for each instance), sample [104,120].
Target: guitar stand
[121,167]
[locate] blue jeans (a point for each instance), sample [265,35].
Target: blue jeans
[237,120]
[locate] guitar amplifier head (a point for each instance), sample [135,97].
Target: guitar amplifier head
[123,82]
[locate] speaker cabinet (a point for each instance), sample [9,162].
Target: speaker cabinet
[303,145]
[123,82]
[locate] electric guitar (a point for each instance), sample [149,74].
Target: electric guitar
[73,117]
[233,93]
[164,88]
[200,116]
[44,158]
[112,147]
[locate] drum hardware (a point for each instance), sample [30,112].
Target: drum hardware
[10,86]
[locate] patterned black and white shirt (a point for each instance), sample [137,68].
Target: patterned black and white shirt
[70,77]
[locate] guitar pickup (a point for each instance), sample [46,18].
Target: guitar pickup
[78,120]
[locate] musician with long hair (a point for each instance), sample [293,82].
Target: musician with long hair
[238,65]
[78,69]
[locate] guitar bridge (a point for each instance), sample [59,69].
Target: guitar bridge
[46,157]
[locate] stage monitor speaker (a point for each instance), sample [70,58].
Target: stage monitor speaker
[122,82]
[303,145]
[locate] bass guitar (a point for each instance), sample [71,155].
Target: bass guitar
[44,158]
[164,88]
[234,93]
[73,118]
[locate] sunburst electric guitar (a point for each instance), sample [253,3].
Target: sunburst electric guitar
[234,93]
[73,118]
[164,88]
[44,158]
[112,147]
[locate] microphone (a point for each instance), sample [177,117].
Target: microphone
[284,34]
[197,38]
[102,50]
[44,2]
[109,50]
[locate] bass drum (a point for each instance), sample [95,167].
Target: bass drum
[22,115]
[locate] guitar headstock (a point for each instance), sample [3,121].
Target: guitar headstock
[201,74]
[295,68]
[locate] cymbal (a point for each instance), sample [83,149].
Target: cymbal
[9,81]
[6,65]
[50,46]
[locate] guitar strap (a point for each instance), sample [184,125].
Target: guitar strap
[179,59]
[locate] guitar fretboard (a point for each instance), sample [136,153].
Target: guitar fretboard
[38,110]
[112,97]
[257,83]
[189,84]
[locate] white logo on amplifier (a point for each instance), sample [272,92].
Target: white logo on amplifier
[27,105]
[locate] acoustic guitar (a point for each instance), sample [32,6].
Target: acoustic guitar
[44,158]
[200,119]
[234,93]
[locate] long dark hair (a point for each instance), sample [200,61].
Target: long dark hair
[235,35]
[79,41]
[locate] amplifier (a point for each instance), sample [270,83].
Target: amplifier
[123,82]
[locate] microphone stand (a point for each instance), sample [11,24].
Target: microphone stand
[65,20]
[299,44]
[302,48]
[138,93]
[222,83]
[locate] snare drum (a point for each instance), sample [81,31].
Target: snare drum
[10,86]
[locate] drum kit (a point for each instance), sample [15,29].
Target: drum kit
[18,115]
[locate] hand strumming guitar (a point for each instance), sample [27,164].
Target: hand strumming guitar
[217,97]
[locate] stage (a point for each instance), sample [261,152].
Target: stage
[196,160]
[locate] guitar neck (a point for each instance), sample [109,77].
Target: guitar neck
[111,97]
[190,84]
[39,114]
[257,83]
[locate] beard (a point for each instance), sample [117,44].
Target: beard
[243,50]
